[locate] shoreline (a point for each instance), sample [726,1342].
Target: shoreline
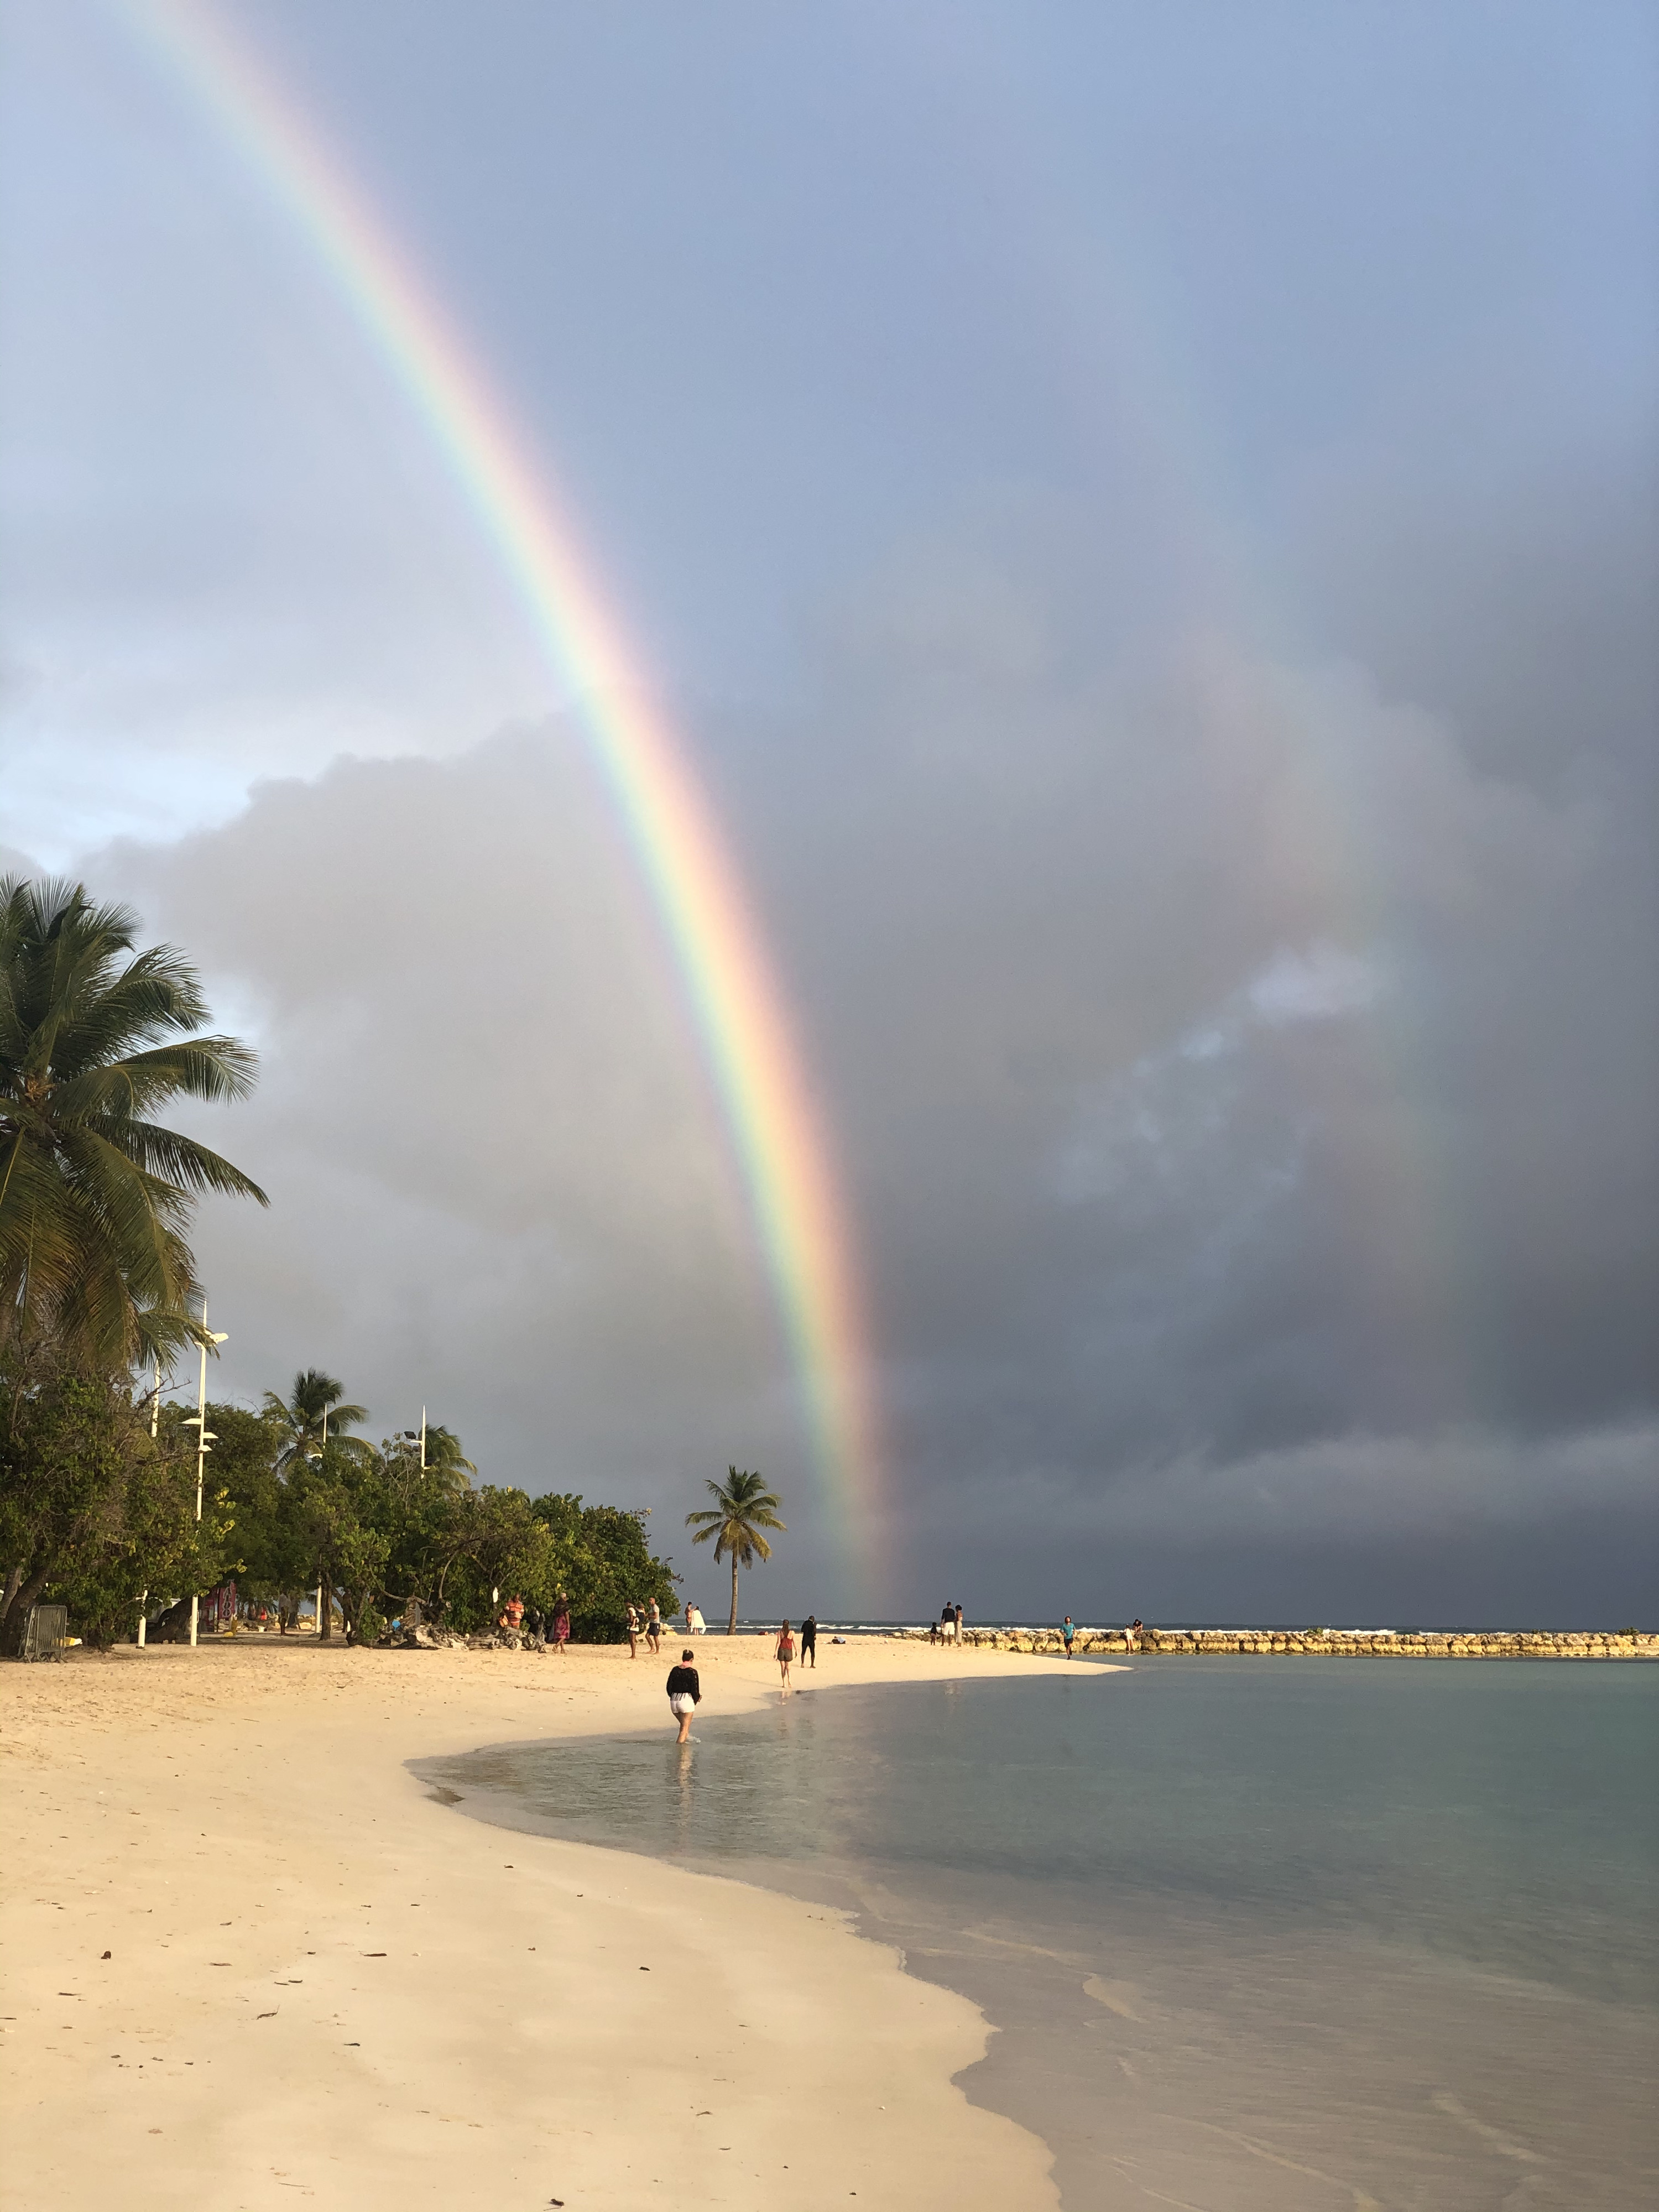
[243,1953]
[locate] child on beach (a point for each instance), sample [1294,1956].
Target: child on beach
[785,1653]
[684,1693]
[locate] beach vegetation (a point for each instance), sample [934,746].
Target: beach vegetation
[313,1414]
[383,1535]
[95,1511]
[607,1565]
[744,1508]
[96,1038]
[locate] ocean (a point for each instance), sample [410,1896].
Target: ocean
[1257,1936]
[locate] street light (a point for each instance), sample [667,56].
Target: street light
[155,1423]
[197,1421]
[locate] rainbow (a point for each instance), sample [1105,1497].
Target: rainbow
[777,1137]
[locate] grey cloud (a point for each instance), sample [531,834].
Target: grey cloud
[1239,1106]
[498,1183]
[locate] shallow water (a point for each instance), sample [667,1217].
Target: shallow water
[1258,1933]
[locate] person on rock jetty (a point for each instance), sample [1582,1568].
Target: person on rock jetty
[785,1653]
[684,1693]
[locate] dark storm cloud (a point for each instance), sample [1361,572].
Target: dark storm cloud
[1299,1074]
[1245,1104]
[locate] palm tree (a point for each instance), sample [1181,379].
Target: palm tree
[303,1441]
[95,1195]
[444,1455]
[743,1507]
[301,1421]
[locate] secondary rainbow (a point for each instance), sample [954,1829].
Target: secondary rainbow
[780,1144]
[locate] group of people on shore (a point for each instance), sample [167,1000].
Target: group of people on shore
[647,1621]
[947,1629]
[543,1628]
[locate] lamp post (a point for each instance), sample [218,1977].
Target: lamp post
[206,1338]
[155,1423]
[320,1585]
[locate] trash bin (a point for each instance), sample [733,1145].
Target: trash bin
[46,1632]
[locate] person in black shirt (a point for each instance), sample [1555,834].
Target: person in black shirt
[809,1639]
[684,1692]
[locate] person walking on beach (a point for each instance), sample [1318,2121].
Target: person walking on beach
[634,1625]
[1068,1631]
[947,1620]
[809,1639]
[561,1622]
[684,1693]
[785,1653]
[958,1623]
[654,1626]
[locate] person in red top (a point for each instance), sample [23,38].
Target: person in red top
[785,1653]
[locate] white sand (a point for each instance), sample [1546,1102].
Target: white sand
[324,1984]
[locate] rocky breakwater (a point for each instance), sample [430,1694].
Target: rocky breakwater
[1323,1643]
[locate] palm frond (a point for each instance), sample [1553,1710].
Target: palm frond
[95,1196]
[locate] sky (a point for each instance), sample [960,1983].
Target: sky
[1144,520]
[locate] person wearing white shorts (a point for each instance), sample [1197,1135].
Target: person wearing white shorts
[684,1693]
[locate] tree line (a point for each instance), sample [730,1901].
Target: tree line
[100,1294]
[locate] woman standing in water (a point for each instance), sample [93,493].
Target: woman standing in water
[785,1653]
[684,1693]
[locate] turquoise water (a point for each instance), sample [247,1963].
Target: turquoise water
[1258,1933]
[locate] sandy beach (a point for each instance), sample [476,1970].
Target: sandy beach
[248,1956]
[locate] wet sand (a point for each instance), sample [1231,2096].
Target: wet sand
[321,1982]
